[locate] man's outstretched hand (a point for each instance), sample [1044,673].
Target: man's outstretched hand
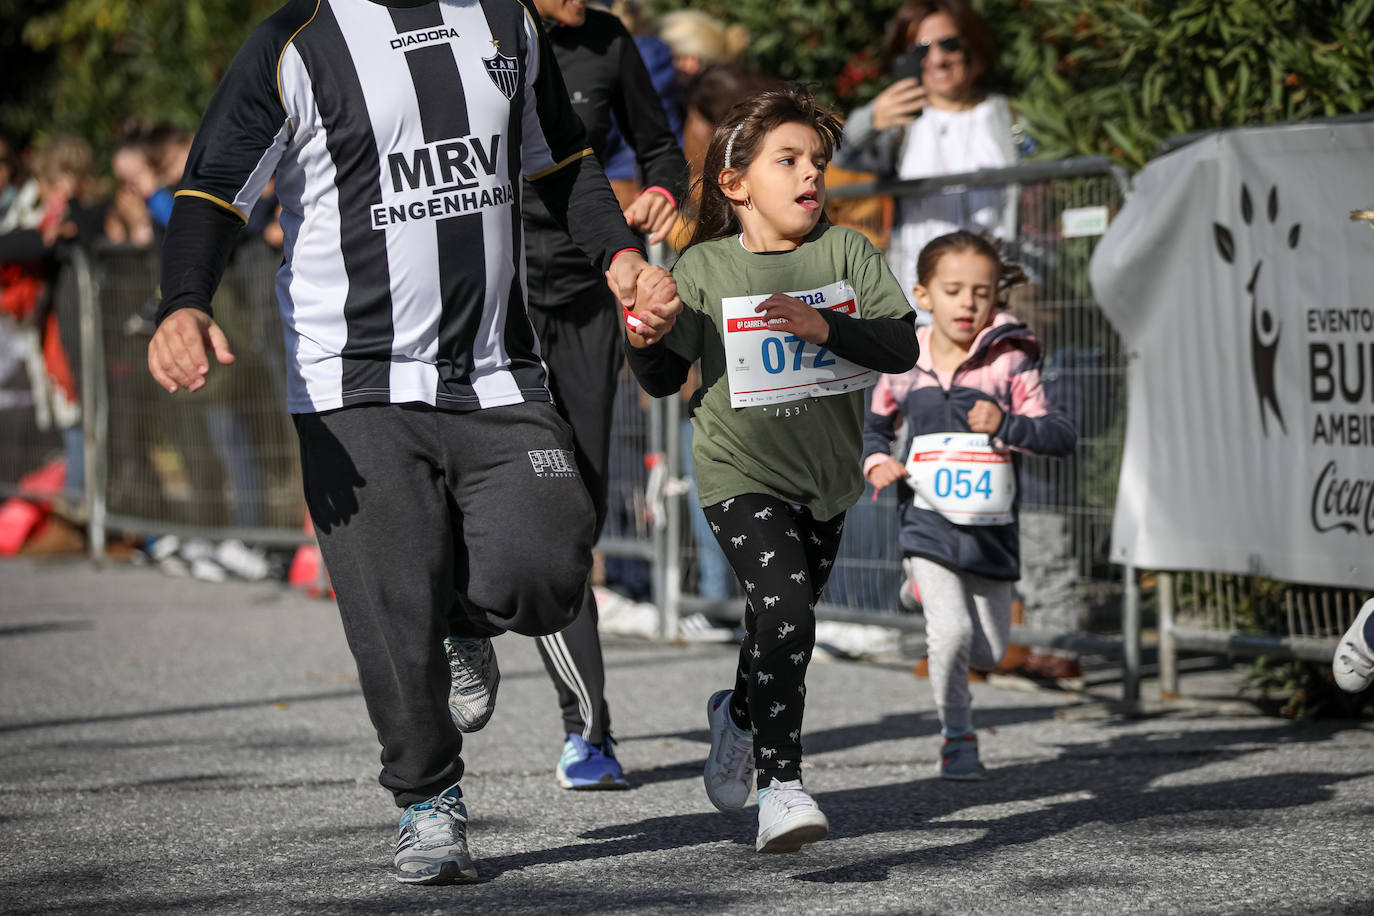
[178,353]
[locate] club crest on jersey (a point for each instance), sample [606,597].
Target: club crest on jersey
[504,72]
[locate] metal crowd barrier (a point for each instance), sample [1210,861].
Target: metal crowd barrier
[1243,616]
[1080,601]
[223,464]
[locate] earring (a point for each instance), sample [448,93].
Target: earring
[748,203]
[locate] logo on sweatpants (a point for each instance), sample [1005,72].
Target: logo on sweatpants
[553,462]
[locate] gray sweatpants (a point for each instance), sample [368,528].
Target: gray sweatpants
[968,622]
[435,523]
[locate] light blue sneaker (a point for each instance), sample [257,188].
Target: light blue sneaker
[587,766]
[432,847]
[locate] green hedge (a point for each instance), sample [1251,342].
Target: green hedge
[1088,76]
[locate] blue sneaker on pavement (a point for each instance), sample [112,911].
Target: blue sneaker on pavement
[587,766]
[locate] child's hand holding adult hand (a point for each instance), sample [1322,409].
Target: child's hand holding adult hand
[886,473]
[792,316]
[985,417]
[657,306]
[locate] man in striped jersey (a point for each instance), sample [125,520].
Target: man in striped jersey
[441,482]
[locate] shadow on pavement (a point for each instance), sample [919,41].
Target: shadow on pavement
[1110,782]
[896,726]
[136,715]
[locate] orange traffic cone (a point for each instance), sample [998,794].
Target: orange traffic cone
[20,517]
[307,568]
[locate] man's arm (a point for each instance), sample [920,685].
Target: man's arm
[639,112]
[236,149]
[566,175]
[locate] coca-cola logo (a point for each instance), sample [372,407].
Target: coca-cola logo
[1342,503]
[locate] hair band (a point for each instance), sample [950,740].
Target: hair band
[730,144]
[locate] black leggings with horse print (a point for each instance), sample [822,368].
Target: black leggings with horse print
[783,557]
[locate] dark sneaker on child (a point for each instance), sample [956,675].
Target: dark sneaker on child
[432,847]
[589,766]
[729,768]
[1353,663]
[789,818]
[474,677]
[959,759]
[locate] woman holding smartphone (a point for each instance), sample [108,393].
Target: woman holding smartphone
[934,119]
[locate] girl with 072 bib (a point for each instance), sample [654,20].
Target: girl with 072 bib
[791,319]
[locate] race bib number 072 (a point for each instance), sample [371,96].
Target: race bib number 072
[769,367]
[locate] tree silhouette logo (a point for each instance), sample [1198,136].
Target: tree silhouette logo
[1264,327]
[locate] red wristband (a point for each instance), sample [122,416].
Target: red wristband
[631,320]
[623,250]
[659,189]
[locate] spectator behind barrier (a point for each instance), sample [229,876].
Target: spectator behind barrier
[9,176]
[700,40]
[934,119]
[51,211]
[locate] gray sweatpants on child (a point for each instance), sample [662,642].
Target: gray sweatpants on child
[968,623]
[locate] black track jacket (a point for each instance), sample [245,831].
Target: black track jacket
[604,73]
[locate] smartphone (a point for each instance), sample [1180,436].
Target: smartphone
[909,63]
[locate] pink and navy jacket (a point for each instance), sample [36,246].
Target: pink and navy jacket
[1003,366]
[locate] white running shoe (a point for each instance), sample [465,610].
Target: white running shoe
[243,561]
[432,843]
[730,767]
[1353,663]
[789,818]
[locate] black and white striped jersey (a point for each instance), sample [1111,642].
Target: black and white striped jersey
[398,132]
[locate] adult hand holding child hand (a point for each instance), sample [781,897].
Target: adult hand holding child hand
[657,306]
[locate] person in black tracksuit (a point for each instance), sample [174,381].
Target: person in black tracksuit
[577,321]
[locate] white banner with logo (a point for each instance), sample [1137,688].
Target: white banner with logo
[1244,296]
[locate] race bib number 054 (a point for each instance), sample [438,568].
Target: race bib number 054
[768,367]
[962,476]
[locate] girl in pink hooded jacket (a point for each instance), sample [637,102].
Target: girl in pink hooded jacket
[972,402]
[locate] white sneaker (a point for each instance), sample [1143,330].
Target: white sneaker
[1353,663]
[700,628]
[207,570]
[730,767]
[789,818]
[243,561]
